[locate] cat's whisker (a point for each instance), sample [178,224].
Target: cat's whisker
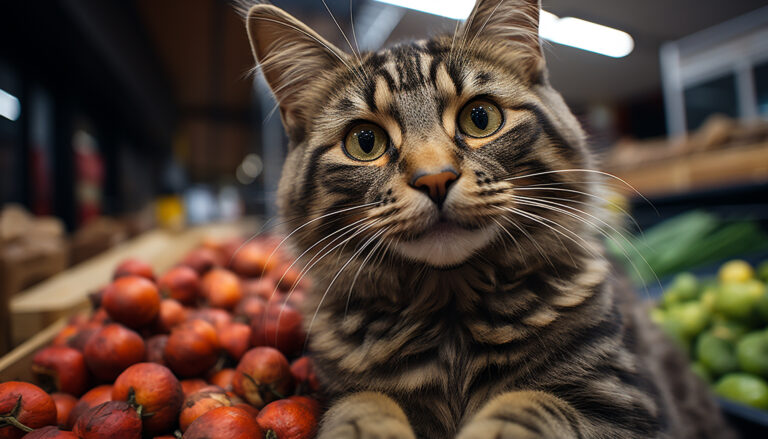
[320,253]
[602,232]
[512,237]
[594,171]
[453,42]
[480,31]
[527,235]
[335,277]
[314,220]
[306,270]
[352,25]
[625,213]
[360,269]
[287,220]
[343,34]
[561,226]
[543,221]
[599,230]
[587,194]
[298,258]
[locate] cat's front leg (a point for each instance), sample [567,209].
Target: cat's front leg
[523,415]
[366,415]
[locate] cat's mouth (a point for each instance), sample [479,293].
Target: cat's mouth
[440,228]
[446,243]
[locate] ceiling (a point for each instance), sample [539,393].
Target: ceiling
[202,48]
[582,77]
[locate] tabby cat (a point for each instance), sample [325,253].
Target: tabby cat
[440,194]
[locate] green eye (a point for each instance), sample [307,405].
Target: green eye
[480,118]
[366,142]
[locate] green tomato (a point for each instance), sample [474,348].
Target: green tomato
[686,285]
[693,318]
[671,298]
[735,271]
[718,356]
[752,353]
[744,388]
[738,300]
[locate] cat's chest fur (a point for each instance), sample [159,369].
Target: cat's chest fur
[452,338]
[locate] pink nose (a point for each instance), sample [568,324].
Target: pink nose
[435,185]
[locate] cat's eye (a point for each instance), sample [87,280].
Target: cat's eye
[480,118]
[365,142]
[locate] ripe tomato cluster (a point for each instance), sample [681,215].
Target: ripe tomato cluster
[200,352]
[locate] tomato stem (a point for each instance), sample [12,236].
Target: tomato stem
[270,434]
[10,418]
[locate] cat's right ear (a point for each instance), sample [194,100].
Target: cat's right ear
[290,55]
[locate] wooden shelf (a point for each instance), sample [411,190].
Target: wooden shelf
[710,169]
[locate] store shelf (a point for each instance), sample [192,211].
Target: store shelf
[709,169]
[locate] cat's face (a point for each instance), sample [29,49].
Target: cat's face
[429,149]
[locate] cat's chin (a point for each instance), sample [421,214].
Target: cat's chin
[446,246]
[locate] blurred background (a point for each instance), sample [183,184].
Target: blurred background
[121,108]
[119,118]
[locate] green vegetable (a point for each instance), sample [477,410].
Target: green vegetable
[693,317]
[738,300]
[744,388]
[716,354]
[688,240]
[752,353]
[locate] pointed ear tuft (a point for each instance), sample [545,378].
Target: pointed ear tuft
[514,22]
[291,56]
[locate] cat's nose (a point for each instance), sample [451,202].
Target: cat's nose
[435,185]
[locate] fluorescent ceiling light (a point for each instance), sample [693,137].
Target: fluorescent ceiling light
[456,9]
[10,108]
[585,35]
[567,31]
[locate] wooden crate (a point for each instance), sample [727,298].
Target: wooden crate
[17,364]
[67,292]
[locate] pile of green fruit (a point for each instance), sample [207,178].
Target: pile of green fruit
[722,323]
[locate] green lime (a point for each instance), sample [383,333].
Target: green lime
[737,300]
[693,317]
[735,271]
[701,371]
[745,388]
[716,354]
[752,353]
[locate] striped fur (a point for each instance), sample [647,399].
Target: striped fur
[511,323]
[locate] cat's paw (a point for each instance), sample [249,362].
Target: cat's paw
[369,428]
[498,429]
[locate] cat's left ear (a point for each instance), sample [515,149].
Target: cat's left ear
[291,56]
[514,22]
